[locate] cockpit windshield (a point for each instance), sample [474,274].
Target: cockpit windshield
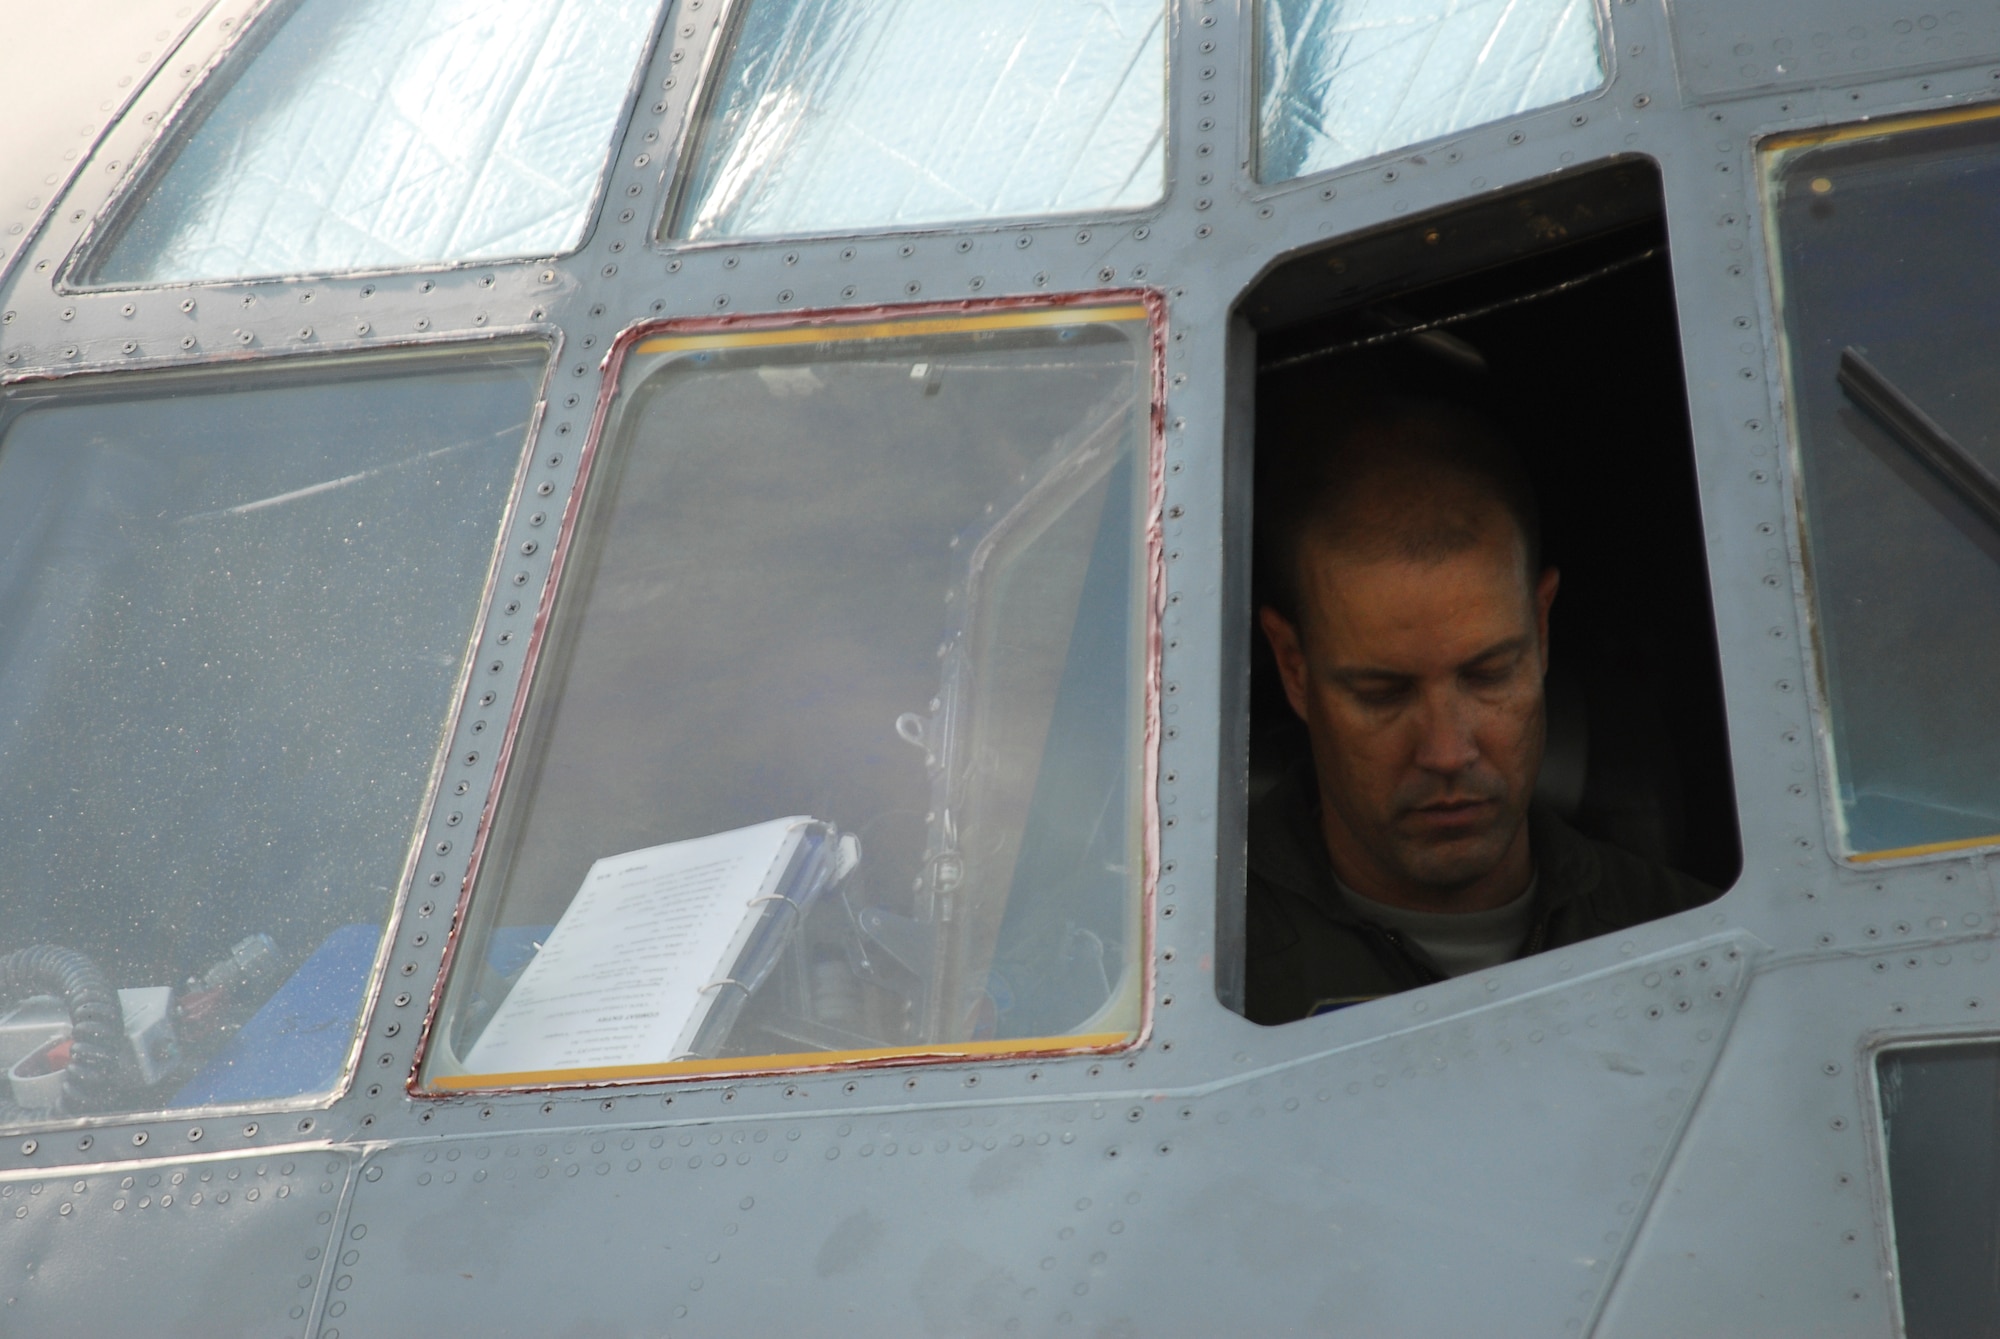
[235,606]
[837,748]
[347,135]
[1889,339]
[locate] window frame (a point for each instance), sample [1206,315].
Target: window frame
[1152,550]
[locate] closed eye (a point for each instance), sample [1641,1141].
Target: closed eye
[1380,694]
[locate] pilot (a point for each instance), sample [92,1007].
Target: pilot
[1408,611]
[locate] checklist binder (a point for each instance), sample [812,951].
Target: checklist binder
[656,955]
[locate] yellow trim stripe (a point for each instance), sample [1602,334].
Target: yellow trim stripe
[941,325]
[1802,139]
[1929,848]
[759,1064]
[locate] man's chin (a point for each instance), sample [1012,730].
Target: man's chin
[1455,863]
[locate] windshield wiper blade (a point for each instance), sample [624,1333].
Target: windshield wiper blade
[1920,435]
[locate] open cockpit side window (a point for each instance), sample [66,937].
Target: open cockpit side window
[835,751]
[1544,321]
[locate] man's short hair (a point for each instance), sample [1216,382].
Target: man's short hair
[1388,476]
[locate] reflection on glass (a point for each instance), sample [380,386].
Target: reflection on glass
[1941,1121]
[233,608]
[1345,80]
[1873,231]
[874,113]
[365,134]
[836,749]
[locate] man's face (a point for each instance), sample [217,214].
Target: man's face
[1420,684]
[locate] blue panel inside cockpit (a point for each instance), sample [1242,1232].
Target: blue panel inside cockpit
[297,1043]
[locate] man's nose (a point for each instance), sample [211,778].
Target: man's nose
[1446,741]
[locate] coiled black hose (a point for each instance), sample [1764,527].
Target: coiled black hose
[97,1024]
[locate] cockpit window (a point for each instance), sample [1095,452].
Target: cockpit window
[1896,413]
[836,751]
[836,114]
[1343,81]
[222,696]
[386,133]
[1940,1115]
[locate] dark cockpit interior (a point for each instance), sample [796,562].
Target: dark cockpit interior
[1550,312]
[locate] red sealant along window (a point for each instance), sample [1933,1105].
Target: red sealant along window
[839,746]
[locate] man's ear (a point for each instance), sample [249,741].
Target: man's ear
[1290,653]
[1545,596]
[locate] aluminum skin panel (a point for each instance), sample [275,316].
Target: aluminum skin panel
[196,1248]
[1282,1193]
[1728,49]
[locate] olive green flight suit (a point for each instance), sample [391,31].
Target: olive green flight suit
[1308,953]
